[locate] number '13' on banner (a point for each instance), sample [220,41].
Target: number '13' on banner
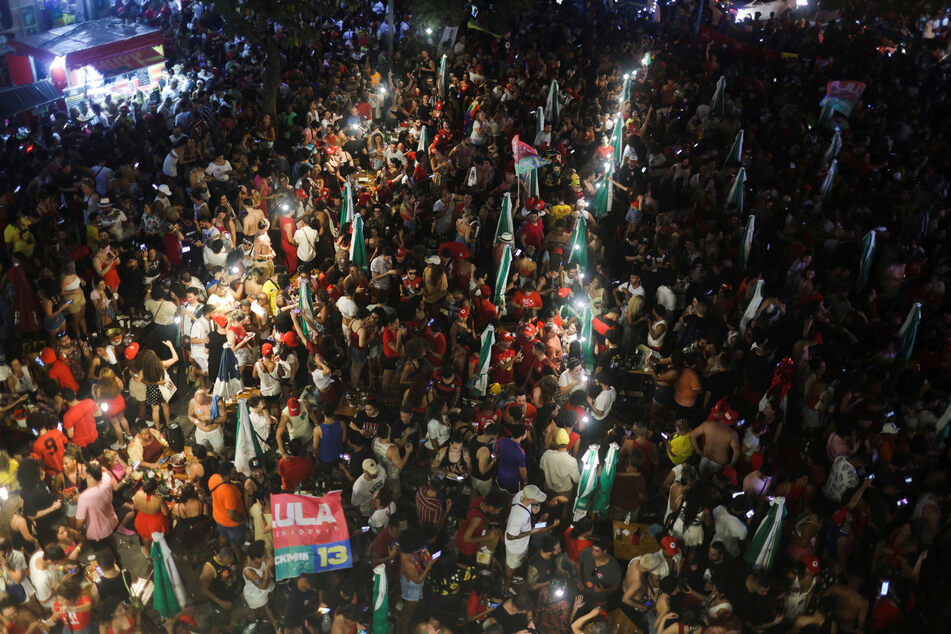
[310,534]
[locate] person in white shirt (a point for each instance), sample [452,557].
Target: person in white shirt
[104,176]
[347,307]
[519,529]
[730,529]
[197,341]
[626,290]
[260,418]
[306,237]
[366,486]
[219,169]
[560,468]
[544,137]
[602,404]
[45,575]
[382,269]
[170,164]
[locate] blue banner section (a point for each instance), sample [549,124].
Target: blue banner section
[297,560]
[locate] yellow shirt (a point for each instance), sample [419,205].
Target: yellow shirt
[680,449]
[92,237]
[271,290]
[558,212]
[20,237]
[8,478]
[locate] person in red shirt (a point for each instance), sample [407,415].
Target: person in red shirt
[73,607]
[525,302]
[57,369]
[50,443]
[79,423]
[386,547]
[477,531]
[393,335]
[487,414]
[526,346]
[533,230]
[437,353]
[294,467]
[504,358]
[523,407]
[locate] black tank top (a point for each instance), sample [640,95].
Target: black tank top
[474,447]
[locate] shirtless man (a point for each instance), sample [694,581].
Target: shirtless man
[851,607]
[721,446]
[207,430]
[250,224]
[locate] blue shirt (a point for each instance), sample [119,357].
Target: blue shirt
[331,442]
[511,458]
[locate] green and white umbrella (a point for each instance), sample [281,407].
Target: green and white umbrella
[865,264]
[587,483]
[626,89]
[747,245]
[531,183]
[246,445]
[501,278]
[305,303]
[578,247]
[358,246]
[717,103]
[586,335]
[552,107]
[539,122]
[168,595]
[752,307]
[735,197]
[908,333]
[423,144]
[505,225]
[829,181]
[442,81]
[381,601]
[604,195]
[617,139]
[835,146]
[485,359]
[825,114]
[735,156]
[767,542]
[602,496]
[346,209]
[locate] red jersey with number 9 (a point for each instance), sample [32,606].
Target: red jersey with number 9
[51,446]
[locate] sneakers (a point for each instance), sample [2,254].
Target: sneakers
[116,446]
[518,580]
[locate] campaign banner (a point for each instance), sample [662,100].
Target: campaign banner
[842,96]
[310,534]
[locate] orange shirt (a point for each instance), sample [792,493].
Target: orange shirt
[51,446]
[225,496]
[687,388]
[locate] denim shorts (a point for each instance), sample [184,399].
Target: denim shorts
[663,394]
[234,534]
[410,591]
[358,355]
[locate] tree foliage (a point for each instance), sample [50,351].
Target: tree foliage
[497,16]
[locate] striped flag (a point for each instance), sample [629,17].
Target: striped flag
[505,224]
[501,278]
[168,594]
[735,197]
[578,247]
[835,146]
[604,195]
[735,157]
[485,359]
[865,264]
[246,445]
[532,184]
[829,181]
[346,209]
[747,241]
[586,335]
[552,108]
[908,333]
[305,302]
[358,246]
[752,307]
[716,104]
[617,139]
[766,544]
[626,90]
[539,121]
[423,144]
[602,496]
[381,601]
[586,483]
[442,81]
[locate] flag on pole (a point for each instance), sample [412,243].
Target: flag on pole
[485,359]
[766,544]
[586,335]
[586,483]
[505,225]
[502,277]
[552,108]
[246,445]
[358,247]
[825,114]
[168,595]
[716,104]
[381,601]
[835,146]
[305,303]
[604,195]
[532,184]
[423,145]
[617,139]
[346,209]
[539,121]
[826,188]
[752,307]
[865,264]
[526,157]
[602,496]
[735,157]
[228,382]
[747,241]
[579,244]
[908,333]
[735,197]
[626,90]
[442,81]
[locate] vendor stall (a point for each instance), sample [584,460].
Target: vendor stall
[91,60]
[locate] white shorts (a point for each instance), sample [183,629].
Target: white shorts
[215,438]
[514,560]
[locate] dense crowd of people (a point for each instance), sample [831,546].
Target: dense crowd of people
[765,409]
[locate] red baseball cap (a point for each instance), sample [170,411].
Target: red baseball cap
[130,351]
[730,474]
[400,252]
[670,546]
[812,564]
[564,292]
[507,336]
[528,330]
[539,205]
[290,339]
[293,406]
[463,313]
[530,203]
[301,193]
[267,349]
